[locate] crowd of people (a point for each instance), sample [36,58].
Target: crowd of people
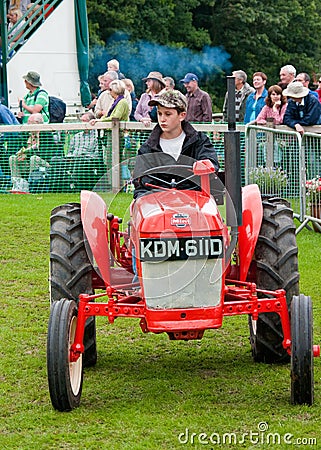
[289,102]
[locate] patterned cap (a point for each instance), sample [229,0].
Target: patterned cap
[170,99]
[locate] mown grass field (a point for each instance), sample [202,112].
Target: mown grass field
[146,392]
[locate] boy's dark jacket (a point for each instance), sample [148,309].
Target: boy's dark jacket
[196,146]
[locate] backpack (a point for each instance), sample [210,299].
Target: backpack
[56,107]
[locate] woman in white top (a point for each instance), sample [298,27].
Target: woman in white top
[14,15]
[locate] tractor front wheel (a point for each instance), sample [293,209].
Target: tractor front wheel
[64,377]
[70,267]
[276,267]
[302,382]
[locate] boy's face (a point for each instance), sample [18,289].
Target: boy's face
[169,119]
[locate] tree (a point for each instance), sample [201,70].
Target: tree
[198,36]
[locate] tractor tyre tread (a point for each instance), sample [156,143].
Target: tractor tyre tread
[276,257]
[70,267]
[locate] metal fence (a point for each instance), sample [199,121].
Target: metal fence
[70,157]
[285,164]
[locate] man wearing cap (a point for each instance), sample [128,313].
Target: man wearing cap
[199,103]
[303,109]
[173,142]
[35,101]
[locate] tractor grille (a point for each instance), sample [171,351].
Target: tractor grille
[192,283]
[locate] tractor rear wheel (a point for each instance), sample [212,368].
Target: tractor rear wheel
[276,260]
[70,267]
[302,383]
[64,377]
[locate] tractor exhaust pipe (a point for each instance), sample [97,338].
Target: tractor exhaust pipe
[232,161]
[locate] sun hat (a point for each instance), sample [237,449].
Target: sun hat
[155,76]
[32,78]
[296,90]
[170,99]
[189,77]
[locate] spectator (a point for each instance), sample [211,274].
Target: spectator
[83,165]
[34,11]
[19,4]
[105,99]
[8,140]
[93,102]
[35,101]
[15,36]
[144,112]
[113,65]
[6,116]
[318,89]
[173,141]
[303,108]
[256,100]
[242,91]
[287,75]
[169,83]
[131,89]
[84,143]
[304,78]
[38,152]
[119,108]
[199,103]
[102,84]
[275,107]
[94,97]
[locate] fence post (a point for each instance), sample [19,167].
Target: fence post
[302,175]
[251,152]
[269,144]
[115,148]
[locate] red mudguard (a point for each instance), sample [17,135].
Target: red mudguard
[251,223]
[93,216]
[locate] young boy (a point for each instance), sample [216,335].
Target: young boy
[173,142]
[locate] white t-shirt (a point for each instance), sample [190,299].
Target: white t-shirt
[174,146]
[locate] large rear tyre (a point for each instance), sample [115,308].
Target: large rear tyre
[70,267]
[302,380]
[64,377]
[276,261]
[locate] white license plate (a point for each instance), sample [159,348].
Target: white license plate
[181,248]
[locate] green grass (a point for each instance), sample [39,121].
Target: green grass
[145,390]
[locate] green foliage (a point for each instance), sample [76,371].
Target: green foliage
[258,35]
[270,180]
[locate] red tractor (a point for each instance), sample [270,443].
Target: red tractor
[193,267]
[192,272]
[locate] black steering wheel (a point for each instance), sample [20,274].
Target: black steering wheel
[170,170]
